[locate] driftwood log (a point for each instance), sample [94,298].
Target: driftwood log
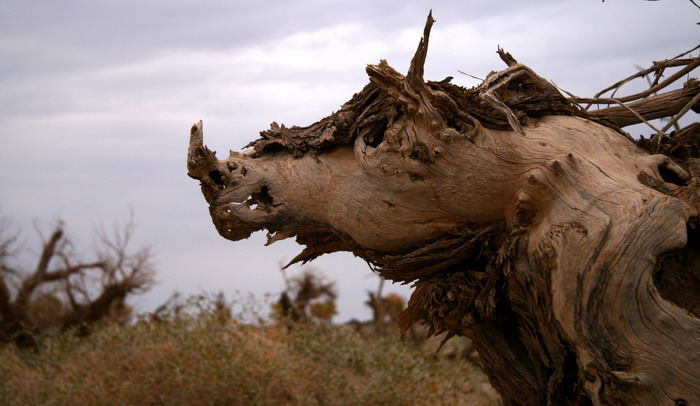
[567,251]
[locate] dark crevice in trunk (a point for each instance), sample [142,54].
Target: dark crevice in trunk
[677,273]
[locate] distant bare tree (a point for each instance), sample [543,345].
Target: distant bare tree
[385,310]
[63,289]
[306,297]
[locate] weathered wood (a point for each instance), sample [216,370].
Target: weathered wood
[660,106]
[556,243]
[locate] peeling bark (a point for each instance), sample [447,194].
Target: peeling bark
[564,250]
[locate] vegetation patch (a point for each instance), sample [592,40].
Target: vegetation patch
[203,358]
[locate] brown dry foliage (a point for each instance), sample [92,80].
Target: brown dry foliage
[195,359]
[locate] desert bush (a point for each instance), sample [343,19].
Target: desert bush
[200,360]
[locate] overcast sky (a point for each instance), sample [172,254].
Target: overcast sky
[97,98]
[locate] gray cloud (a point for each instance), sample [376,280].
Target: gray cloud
[97,99]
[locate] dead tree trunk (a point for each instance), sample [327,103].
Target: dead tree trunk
[567,253]
[64,291]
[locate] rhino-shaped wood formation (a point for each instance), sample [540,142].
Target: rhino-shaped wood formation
[568,254]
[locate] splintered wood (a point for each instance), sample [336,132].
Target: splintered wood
[530,224]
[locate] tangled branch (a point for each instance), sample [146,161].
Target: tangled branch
[642,107]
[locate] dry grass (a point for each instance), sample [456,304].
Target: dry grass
[201,360]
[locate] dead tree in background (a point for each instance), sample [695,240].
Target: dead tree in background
[567,251]
[64,290]
[385,308]
[307,297]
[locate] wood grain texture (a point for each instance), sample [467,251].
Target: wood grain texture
[556,243]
